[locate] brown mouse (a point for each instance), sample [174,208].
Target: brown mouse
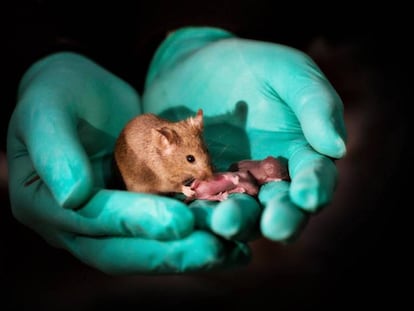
[155,155]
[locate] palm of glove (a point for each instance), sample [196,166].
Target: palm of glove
[259,99]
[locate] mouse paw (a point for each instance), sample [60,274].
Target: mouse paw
[188,192]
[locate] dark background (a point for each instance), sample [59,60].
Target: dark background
[353,254]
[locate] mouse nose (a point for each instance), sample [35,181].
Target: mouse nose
[206,174]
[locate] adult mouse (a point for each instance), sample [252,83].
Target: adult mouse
[156,155]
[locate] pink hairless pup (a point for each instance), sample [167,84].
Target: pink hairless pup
[245,176]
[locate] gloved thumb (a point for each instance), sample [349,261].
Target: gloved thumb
[55,151]
[318,107]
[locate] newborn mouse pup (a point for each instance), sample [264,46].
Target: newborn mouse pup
[155,155]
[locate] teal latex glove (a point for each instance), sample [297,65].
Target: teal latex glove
[60,143]
[259,99]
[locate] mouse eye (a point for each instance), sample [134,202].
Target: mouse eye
[190,158]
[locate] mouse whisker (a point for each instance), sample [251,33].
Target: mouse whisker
[188,181]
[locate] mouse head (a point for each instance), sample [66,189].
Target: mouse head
[183,150]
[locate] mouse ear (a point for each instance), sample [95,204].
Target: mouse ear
[165,139]
[197,121]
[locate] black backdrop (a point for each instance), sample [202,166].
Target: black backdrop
[354,253]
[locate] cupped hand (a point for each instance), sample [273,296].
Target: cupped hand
[61,137]
[259,99]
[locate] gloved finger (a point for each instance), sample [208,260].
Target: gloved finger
[235,218]
[108,212]
[281,219]
[314,178]
[316,104]
[54,151]
[198,251]
[134,214]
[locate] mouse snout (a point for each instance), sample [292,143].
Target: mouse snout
[205,174]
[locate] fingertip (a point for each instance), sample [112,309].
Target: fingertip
[313,181]
[70,184]
[236,217]
[313,178]
[281,219]
[339,149]
[334,147]
[308,198]
[325,137]
[76,196]
[226,219]
[321,115]
[72,187]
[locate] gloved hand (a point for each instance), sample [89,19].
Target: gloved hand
[260,99]
[60,143]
